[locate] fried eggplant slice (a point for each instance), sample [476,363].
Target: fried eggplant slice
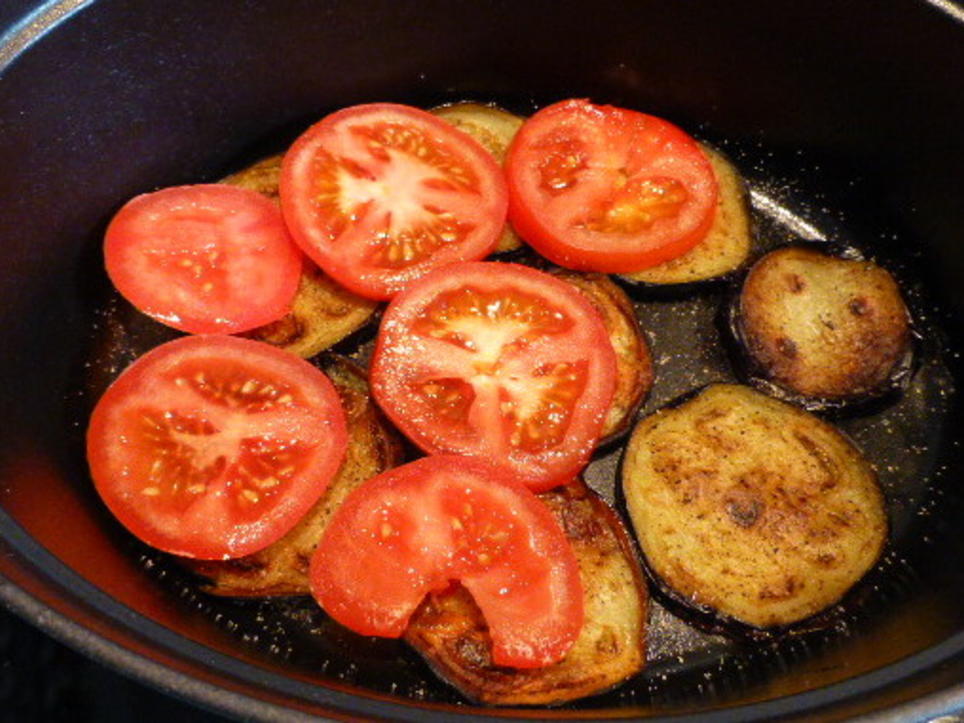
[323,312]
[750,510]
[450,632]
[727,244]
[282,568]
[634,365]
[494,129]
[823,327]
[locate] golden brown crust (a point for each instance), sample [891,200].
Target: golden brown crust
[282,568]
[450,632]
[822,326]
[634,365]
[751,508]
[727,243]
[494,129]
[323,312]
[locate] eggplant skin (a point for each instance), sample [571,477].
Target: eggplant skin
[634,364]
[448,629]
[323,312]
[282,568]
[820,326]
[749,509]
[727,244]
[494,129]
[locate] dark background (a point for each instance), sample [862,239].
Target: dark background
[42,680]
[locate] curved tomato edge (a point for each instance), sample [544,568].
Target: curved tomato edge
[526,222]
[100,474]
[246,321]
[533,483]
[377,290]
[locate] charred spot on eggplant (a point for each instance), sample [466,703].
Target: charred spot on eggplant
[751,510]
[450,632]
[323,312]
[494,129]
[828,330]
[634,365]
[727,244]
[282,568]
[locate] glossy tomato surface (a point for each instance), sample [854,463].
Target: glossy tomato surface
[607,189]
[377,195]
[417,527]
[204,259]
[498,361]
[213,446]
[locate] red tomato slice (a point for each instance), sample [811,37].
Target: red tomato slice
[497,361]
[415,528]
[608,189]
[213,446]
[204,259]
[377,195]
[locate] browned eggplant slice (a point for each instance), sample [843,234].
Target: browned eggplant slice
[450,632]
[323,312]
[282,568]
[634,365]
[823,327]
[749,509]
[727,244]
[494,129]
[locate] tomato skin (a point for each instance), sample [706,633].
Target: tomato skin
[213,446]
[204,259]
[379,194]
[499,361]
[601,188]
[417,527]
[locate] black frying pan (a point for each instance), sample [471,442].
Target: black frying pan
[845,117]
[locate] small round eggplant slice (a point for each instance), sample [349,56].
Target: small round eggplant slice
[494,129]
[822,327]
[450,632]
[749,510]
[323,312]
[282,568]
[727,244]
[634,365]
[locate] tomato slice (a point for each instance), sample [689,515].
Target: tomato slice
[498,361]
[213,446]
[204,259]
[379,194]
[608,189]
[415,528]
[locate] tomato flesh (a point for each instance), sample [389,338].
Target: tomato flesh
[379,194]
[608,189]
[213,447]
[204,259]
[416,528]
[499,361]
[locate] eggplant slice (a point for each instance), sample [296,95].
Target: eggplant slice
[323,312]
[750,509]
[450,632]
[822,327]
[282,568]
[634,364]
[727,244]
[494,129]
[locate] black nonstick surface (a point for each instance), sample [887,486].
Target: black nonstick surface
[849,148]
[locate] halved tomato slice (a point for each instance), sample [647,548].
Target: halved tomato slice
[204,259]
[213,446]
[498,361]
[608,189]
[417,527]
[377,195]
